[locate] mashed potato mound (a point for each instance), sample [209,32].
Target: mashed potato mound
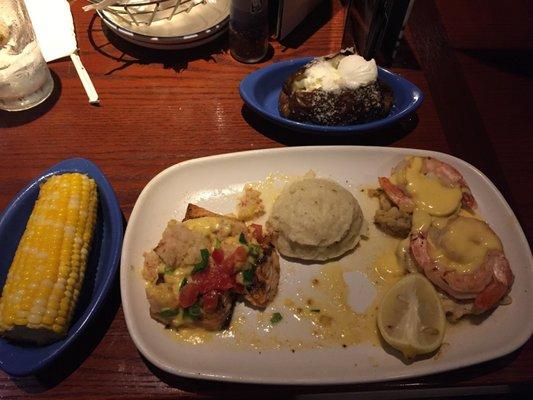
[316,219]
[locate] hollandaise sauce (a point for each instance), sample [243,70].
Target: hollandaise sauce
[429,194]
[422,221]
[333,316]
[388,268]
[335,322]
[463,244]
[211,226]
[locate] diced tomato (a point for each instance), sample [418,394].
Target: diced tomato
[213,278]
[218,276]
[218,256]
[240,255]
[236,259]
[238,288]
[257,232]
[188,294]
[210,301]
[228,265]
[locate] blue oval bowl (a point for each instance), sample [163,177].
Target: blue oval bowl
[260,91]
[19,360]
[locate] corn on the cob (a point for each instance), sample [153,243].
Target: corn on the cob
[45,277]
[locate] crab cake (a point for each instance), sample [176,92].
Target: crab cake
[316,219]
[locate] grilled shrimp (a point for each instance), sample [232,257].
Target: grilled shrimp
[486,285]
[449,176]
[396,195]
[446,174]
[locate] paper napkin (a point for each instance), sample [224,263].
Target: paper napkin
[54,29]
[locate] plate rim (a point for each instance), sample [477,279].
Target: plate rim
[82,165]
[330,380]
[157,45]
[250,80]
[167,39]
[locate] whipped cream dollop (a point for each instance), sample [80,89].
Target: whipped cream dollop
[352,72]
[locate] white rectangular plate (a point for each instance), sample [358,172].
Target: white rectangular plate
[214,181]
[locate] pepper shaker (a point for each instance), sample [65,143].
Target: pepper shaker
[248,30]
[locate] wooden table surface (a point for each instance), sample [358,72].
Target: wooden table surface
[160,108]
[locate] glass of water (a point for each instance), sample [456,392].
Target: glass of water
[25,79]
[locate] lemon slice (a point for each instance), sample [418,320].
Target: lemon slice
[410,316]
